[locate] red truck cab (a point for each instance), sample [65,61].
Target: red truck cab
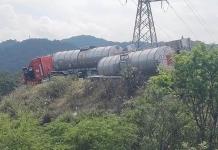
[39,69]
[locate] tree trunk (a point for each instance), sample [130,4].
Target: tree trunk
[213,135]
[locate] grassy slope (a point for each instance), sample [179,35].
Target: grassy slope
[66,95]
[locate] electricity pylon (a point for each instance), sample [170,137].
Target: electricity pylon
[144,30]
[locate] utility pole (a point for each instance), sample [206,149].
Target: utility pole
[144,30]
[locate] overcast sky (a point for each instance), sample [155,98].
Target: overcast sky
[109,19]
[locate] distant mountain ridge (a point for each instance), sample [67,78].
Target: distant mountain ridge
[14,54]
[87,40]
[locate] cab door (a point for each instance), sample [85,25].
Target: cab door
[37,69]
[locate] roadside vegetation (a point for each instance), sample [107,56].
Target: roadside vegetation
[8,82]
[177,109]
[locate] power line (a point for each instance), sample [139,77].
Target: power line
[199,18]
[195,11]
[174,11]
[122,3]
[178,16]
[165,32]
[181,19]
[162,6]
[135,2]
[144,29]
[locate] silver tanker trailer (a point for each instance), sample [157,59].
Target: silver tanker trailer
[83,61]
[145,61]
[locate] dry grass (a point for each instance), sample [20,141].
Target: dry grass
[66,95]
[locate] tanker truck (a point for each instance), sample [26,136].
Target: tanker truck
[97,62]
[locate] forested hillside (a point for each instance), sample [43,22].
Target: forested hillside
[176,109]
[15,54]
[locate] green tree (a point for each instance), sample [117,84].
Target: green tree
[106,133]
[163,121]
[196,83]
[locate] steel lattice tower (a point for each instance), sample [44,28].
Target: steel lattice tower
[144,30]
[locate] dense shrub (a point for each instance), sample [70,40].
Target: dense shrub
[8,83]
[55,88]
[22,133]
[106,133]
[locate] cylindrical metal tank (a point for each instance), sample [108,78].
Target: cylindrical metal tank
[65,60]
[109,66]
[76,59]
[145,61]
[90,58]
